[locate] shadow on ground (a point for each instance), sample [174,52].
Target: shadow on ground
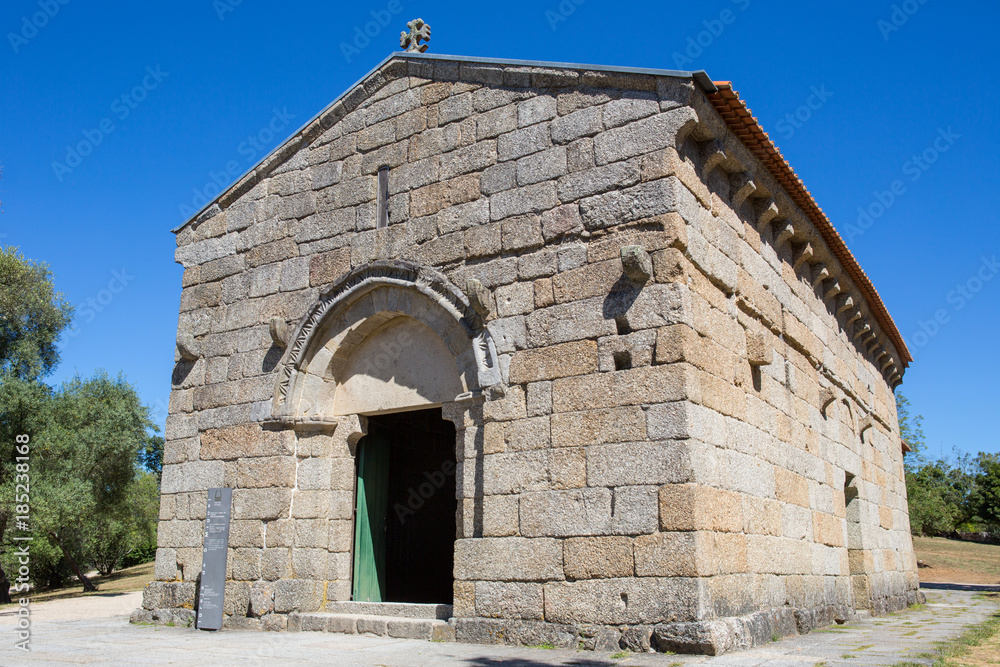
[960,587]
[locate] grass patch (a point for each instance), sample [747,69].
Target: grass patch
[977,646]
[621,655]
[546,645]
[957,561]
[129,580]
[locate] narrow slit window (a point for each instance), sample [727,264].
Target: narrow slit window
[382,213]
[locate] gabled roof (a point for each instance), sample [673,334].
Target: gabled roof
[726,101]
[406,55]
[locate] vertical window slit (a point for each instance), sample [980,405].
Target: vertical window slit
[382,219]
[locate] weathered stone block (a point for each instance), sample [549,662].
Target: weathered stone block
[266,472]
[291,595]
[261,503]
[556,361]
[497,599]
[566,513]
[245,440]
[596,427]
[622,601]
[633,463]
[508,559]
[598,557]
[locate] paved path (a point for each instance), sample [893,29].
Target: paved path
[106,638]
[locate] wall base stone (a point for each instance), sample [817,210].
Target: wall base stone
[708,637]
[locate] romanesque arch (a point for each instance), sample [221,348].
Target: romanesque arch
[389,336]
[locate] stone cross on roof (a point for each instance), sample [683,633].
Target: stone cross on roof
[418,31]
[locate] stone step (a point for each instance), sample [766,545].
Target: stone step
[383,626]
[395,609]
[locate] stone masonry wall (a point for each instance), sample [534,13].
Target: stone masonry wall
[635,470]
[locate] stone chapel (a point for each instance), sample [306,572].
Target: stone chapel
[518,352]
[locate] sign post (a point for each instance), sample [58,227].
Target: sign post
[213,560]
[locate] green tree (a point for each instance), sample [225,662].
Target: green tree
[32,316]
[911,430]
[84,462]
[938,497]
[22,411]
[126,528]
[986,496]
[151,456]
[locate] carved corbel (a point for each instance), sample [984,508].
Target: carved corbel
[759,353]
[188,347]
[784,230]
[888,362]
[827,396]
[637,264]
[844,302]
[278,329]
[764,210]
[819,274]
[712,155]
[801,255]
[479,297]
[855,315]
[861,331]
[741,187]
[865,425]
[832,289]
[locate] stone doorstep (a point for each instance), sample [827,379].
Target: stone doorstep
[441,612]
[431,629]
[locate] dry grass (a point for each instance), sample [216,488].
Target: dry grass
[124,581]
[958,562]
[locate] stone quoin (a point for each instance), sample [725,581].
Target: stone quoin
[607,377]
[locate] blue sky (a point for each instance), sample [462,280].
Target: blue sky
[890,108]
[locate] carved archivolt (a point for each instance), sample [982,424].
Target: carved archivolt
[403,318]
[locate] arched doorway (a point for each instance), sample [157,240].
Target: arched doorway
[394,351]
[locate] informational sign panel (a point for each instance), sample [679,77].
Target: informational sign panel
[213,559]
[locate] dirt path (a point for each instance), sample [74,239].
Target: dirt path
[91,607]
